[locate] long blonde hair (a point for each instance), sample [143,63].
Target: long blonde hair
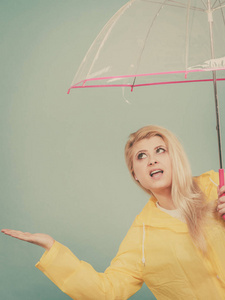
[186,194]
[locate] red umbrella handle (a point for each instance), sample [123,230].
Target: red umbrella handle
[221,178]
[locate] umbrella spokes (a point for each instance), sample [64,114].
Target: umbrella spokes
[154,42]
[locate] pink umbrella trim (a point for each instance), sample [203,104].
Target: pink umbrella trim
[83,82]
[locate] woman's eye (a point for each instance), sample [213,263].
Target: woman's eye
[141,155]
[160,150]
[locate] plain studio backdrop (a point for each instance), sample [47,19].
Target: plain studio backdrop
[62,156]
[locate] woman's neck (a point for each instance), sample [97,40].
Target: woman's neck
[165,200]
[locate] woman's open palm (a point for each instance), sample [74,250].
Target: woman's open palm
[39,239]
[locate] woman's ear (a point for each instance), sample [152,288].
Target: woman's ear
[135,177]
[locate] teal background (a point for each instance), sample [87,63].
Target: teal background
[62,162]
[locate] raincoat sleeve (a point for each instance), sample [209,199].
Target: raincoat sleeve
[80,281]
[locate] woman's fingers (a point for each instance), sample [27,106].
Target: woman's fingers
[25,236]
[221,209]
[39,239]
[221,191]
[221,200]
[221,205]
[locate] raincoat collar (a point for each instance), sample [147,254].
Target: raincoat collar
[152,216]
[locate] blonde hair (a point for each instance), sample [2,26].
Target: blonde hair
[186,194]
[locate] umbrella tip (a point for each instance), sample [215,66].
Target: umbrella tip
[68,91]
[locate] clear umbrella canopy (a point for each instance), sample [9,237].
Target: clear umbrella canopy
[154,42]
[149,42]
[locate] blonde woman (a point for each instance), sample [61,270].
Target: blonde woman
[176,245]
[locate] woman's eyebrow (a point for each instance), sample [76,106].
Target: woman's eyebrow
[163,146]
[141,151]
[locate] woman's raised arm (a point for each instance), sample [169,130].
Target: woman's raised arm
[80,280]
[39,239]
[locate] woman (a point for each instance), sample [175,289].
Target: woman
[176,245]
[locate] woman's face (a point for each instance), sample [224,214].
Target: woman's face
[152,165]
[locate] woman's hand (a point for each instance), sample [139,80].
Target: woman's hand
[221,200]
[39,239]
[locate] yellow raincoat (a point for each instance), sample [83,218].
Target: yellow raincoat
[157,250]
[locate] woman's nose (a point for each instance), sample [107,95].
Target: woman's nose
[152,161]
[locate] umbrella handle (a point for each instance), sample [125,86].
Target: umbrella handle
[221,183]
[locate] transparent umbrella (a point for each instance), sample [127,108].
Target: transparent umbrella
[150,42]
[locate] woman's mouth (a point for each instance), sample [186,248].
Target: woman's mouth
[156,172]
